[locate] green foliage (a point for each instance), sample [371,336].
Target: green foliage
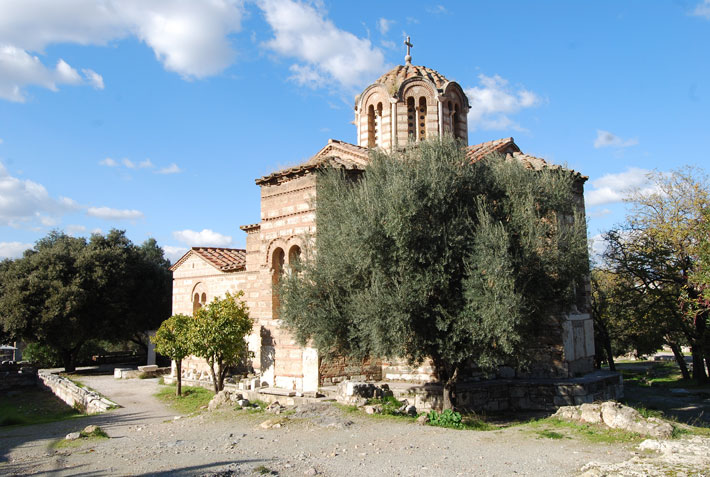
[34,406]
[550,434]
[67,291]
[217,334]
[429,256]
[390,405]
[172,339]
[41,356]
[658,259]
[447,418]
[192,399]
[590,432]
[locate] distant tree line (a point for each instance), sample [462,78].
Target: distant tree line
[652,285]
[66,293]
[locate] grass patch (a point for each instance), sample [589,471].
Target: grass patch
[548,434]
[347,408]
[263,470]
[590,432]
[97,434]
[191,400]
[34,406]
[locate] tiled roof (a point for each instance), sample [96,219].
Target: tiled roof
[224,259]
[397,75]
[349,156]
[334,154]
[501,146]
[249,227]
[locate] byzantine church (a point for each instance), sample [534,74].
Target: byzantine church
[407,104]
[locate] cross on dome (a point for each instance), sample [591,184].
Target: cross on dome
[408,58]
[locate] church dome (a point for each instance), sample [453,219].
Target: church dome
[397,75]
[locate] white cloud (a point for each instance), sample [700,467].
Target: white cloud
[26,201]
[324,51]
[384,25]
[189,37]
[597,246]
[147,164]
[702,9]
[607,139]
[493,102]
[18,69]
[74,229]
[174,253]
[108,213]
[611,188]
[171,169]
[13,249]
[598,213]
[108,162]
[205,238]
[94,79]
[437,9]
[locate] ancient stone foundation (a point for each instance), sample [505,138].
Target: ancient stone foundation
[86,400]
[524,394]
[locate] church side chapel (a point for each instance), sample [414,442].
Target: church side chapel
[408,103]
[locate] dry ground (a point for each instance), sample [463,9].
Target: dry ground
[146,439]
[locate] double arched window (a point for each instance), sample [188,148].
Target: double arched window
[374,125]
[416,118]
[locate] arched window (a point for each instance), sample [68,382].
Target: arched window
[294,257]
[411,119]
[455,121]
[422,118]
[371,139]
[196,305]
[277,270]
[203,300]
[378,125]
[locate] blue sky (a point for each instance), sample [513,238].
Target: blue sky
[156,116]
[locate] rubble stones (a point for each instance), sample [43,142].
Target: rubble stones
[373,409]
[355,392]
[274,408]
[616,416]
[423,420]
[72,436]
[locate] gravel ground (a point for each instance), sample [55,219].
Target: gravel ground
[147,438]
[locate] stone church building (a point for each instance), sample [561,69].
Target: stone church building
[408,103]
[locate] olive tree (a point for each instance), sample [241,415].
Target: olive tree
[429,256]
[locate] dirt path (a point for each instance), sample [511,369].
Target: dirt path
[147,440]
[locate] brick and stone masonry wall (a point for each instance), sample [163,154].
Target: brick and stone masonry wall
[524,394]
[87,400]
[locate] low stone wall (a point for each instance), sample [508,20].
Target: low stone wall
[13,376]
[336,370]
[87,400]
[524,394]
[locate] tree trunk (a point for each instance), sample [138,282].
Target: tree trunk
[680,359]
[609,354]
[178,368]
[221,371]
[449,392]
[699,375]
[68,361]
[214,378]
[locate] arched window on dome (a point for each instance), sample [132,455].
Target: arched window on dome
[411,119]
[421,114]
[371,134]
[378,125]
[456,121]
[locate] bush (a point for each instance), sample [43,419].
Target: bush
[447,418]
